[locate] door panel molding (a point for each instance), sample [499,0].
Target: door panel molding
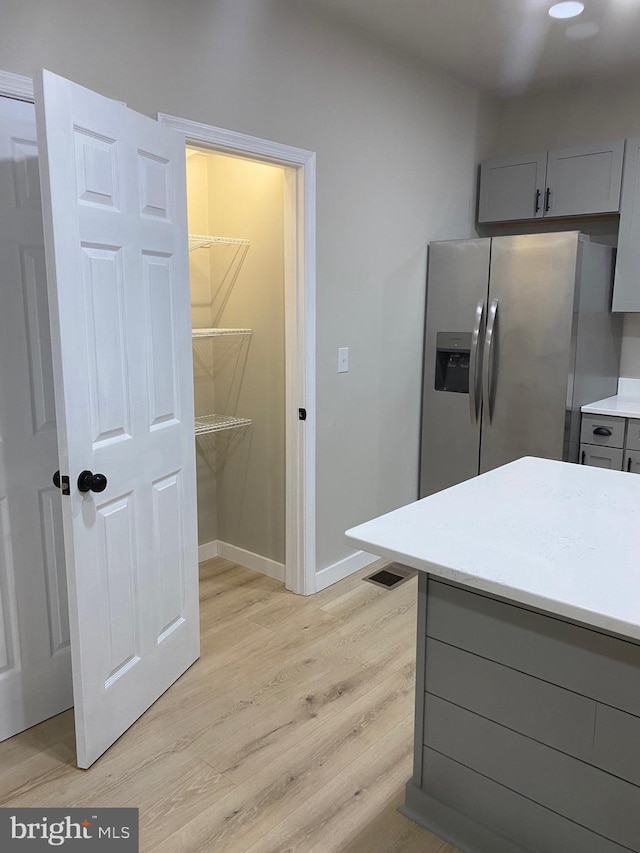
[300,336]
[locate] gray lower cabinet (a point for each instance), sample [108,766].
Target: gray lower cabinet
[603,430]
[610,442]
[601,457]
[633,434]
[579,181]
[632,461]
[527,729]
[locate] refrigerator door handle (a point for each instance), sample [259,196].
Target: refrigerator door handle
[487,362]
[473,363]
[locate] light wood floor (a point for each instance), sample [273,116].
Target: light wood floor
[293,732]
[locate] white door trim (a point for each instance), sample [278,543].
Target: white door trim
[300,331]
[16,86]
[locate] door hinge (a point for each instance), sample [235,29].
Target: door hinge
[302,414]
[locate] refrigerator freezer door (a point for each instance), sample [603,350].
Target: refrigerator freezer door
[457,282]
[533,279]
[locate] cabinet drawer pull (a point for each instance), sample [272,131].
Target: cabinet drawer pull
[602,431]
[584,454]
[629,464]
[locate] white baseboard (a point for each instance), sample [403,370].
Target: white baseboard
[207,551]
[248,559]
[343,568]
[324,578]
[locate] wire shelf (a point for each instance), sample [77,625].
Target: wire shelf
[204,241]
[216,423]
[213,333]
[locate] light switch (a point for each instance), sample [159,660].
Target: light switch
[343,359]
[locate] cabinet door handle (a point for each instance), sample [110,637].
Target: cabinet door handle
[602,431]
[629,464]
[537,208]
[584,454]
[547,200]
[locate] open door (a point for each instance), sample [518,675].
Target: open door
[114,210]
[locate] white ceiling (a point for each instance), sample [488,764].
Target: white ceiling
[504,46]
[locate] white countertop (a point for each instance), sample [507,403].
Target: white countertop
[624,404]
[564,538]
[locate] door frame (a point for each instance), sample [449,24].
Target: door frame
[16,86]
[300,318]
[300,329]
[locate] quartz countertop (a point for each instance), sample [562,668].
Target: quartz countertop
[624,404]
[560,537]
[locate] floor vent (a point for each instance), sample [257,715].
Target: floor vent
[391,577]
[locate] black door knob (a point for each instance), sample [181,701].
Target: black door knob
[56,479]
[88,482]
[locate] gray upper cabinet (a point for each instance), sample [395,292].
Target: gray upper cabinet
[564,182]
[626,288]
[584,180]
[512,188]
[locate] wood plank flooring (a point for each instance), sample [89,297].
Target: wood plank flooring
[291,734]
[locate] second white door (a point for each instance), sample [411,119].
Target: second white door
[35,664]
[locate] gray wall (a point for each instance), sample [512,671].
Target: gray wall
[395,143]
[567,116]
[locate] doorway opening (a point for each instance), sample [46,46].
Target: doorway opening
[235,212]
[298,204]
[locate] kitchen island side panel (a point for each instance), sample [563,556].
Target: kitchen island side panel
[495,776]
[588,662]
[420,678]
[526,827]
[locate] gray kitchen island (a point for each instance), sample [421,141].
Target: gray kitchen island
[527,724]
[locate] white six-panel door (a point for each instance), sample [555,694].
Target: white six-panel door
[35,664]
[114,204]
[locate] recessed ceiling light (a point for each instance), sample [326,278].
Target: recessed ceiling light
[582,31]
[566,10]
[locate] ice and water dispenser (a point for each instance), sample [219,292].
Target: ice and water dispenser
[452,361]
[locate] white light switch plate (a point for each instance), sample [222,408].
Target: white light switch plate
[343,359]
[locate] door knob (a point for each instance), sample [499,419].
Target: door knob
[56,479]
[89,482]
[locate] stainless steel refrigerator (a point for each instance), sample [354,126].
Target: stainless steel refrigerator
[518,336]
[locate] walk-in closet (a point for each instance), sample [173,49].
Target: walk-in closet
[236,266]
